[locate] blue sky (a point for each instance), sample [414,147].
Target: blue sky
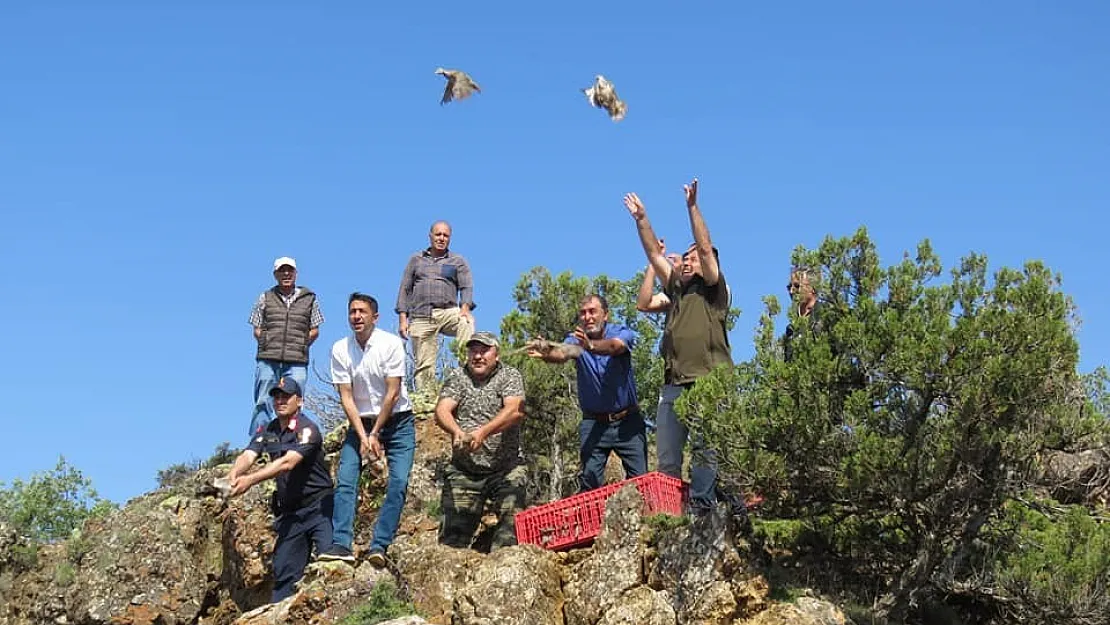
[156,157]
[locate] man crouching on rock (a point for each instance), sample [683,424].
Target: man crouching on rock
[302,502]
[481,407]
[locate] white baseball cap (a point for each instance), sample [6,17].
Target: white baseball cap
[284,260]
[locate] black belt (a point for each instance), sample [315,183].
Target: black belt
[612,417]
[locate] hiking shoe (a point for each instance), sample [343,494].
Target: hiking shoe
[376,558]
[337,552]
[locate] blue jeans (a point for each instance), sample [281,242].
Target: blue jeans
[671,437]
[266,375]
[626,437]
[398,439]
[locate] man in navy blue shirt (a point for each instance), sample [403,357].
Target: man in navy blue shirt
[302,502]
[611,418]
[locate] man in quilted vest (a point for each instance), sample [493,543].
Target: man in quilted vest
[286,320]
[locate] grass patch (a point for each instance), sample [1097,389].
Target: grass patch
[383,604]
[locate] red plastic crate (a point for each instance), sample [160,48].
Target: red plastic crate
[576,520]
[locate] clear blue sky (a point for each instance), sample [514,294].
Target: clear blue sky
[154,160]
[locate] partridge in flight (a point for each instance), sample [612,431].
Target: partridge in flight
[459,85]
[603,95]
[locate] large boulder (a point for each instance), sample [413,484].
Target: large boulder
[615,565]
[804,611]
[707,572]
[519,585]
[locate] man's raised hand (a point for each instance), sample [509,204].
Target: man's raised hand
[635,206]
[691,193]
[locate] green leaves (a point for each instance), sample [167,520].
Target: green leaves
[909,413]
[52,504]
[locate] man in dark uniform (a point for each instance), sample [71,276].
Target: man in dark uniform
[302,502]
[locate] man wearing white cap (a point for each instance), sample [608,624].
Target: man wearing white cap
[286,320]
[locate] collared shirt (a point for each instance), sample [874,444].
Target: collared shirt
[431,282]
[606,383]
[310,476]
[315,320]
[479,403]
[366,370]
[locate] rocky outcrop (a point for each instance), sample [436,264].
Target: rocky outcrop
[1081,477]
[186,555]
[515,586]
[615,566]
[804,611]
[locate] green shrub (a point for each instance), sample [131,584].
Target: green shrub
[1055,560]
[51,504]
[64,574]
[384,603]
[177,473]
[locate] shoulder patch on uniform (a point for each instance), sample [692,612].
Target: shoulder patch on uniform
[306,435]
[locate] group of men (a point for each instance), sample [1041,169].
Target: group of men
[480,405]
[368,371]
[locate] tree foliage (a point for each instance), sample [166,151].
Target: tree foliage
[51,504]
[177,473]
[906,420]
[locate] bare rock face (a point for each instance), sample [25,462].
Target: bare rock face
[187,555]
[1079,477]
[708,578]
[518,585]
[640,606]
[437,574]
[148,564]
[804,611]
[616,564]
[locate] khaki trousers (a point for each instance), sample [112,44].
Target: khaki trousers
[423,330]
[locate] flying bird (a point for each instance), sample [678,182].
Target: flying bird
[459,85]
[603,95]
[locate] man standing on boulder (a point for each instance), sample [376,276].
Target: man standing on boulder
[368,370]
[611,418]
[286,321]
[695,340]
[302,501]
[481,406]
[436,297]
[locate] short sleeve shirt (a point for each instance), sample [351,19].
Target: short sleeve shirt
[695,339]
[310,476]
[366,370]
[606,383]
[479,403]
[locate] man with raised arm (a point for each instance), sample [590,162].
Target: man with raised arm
[695,340]
[611,417]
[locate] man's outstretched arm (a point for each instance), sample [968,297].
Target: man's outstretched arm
[710,270]
[647,237]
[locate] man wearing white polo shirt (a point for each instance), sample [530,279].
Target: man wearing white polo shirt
[367,369]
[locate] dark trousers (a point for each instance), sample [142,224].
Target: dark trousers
[297,532]
[464,500]
[627,437]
